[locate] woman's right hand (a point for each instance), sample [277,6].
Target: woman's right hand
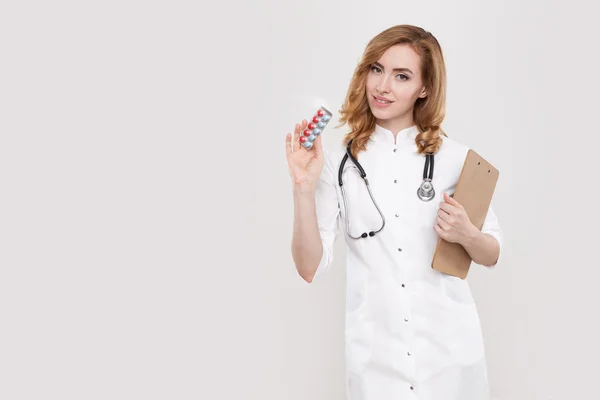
[304,165]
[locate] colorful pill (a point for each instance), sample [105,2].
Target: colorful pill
[315,127]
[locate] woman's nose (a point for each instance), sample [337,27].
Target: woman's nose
[383,85]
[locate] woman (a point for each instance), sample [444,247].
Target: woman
[411,331]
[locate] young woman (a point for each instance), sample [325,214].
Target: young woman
[411,331]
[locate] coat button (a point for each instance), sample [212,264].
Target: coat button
[403,285]
[412,388]
[399,249]
[395,180]
[397,215]
[408,353]
[395,150]
[405,319]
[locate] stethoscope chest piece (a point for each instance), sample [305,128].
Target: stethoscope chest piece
[426,191]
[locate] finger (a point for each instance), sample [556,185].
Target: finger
[442,224]
[288,144]
[297,133]
[447,208]
[451,200]
[439,231]
[318,146]
[296,136]
[443,216]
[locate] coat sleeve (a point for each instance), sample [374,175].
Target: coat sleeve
[328,212]
[491,226]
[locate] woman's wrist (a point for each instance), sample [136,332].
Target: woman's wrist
[304,190]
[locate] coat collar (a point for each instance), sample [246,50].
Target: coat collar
[386,136]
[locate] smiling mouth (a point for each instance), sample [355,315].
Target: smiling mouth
[382,101]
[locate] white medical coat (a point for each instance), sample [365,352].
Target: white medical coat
[411,332]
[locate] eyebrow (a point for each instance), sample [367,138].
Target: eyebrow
[395,69]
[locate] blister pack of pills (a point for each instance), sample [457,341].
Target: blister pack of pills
[315,127]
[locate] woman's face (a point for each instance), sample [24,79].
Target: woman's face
[396,80]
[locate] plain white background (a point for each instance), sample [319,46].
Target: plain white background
[146,209]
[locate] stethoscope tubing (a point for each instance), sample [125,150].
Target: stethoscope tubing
[425,190]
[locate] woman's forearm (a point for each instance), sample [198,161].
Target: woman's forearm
[483,248]
[307,247]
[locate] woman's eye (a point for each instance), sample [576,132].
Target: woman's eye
[376,69]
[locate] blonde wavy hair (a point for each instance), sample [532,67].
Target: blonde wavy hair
[429,112]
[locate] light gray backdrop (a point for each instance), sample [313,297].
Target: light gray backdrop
[146,209]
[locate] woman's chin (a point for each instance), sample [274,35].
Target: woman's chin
[379,113]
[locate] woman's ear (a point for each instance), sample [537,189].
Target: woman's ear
[423,93]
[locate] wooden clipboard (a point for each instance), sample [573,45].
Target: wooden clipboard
[474,192]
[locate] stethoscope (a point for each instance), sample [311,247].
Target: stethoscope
[425,192]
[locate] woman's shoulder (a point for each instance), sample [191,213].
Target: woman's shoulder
[453,148]
[451,156]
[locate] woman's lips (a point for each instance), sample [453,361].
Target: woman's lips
[380,103]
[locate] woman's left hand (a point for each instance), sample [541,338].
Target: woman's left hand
[452,222]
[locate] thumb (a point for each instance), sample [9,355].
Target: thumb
[450,200]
